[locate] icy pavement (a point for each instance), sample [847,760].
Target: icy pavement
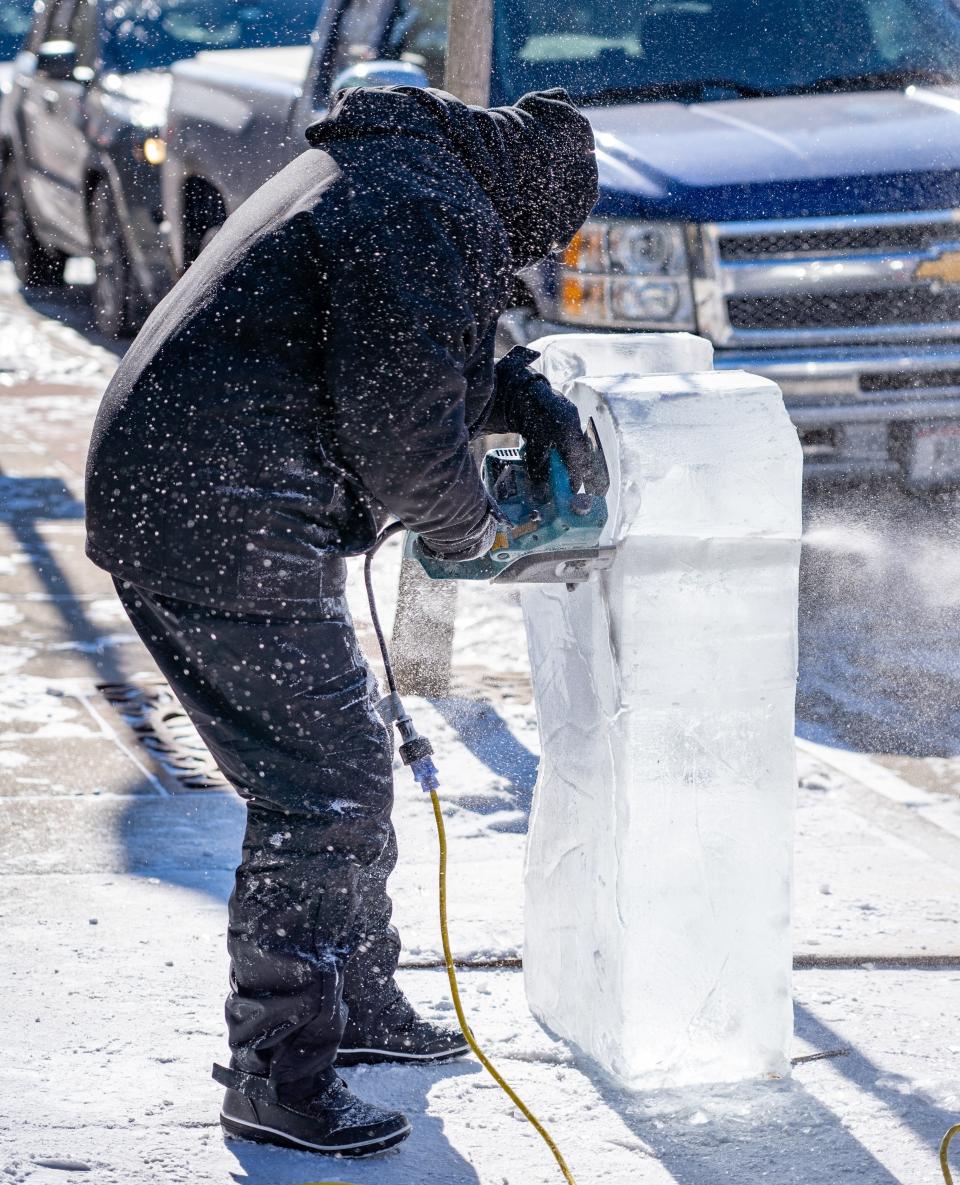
[116,870]
[121,1019]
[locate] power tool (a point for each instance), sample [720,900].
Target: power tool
[549,532]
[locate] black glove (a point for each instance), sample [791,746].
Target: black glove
[526,403]
[471,547]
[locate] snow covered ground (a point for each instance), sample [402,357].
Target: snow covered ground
[115,872]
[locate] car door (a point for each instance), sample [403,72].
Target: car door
[350,32]
[413,31]
[32,112]
[417,33]
[56,148]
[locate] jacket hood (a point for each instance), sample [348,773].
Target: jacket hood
[534,160]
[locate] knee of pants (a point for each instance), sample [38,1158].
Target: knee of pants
[324,773]
[325,842]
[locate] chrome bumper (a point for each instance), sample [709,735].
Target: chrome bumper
[857,410]
[854,407]
[842,385]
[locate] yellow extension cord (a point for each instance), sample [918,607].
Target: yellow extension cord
[461,1016]
[491,1069]
[455,993]
[944,1150]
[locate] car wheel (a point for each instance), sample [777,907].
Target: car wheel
[115,295]
[203,215]
[33,263]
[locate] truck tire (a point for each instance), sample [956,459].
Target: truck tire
[33,264]
[204,214]
[116,297]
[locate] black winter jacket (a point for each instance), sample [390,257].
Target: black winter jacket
[326,360]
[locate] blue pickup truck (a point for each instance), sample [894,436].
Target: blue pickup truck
[780,176]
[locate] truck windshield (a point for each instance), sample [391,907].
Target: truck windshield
[151,34]
[693,50]
[14,23]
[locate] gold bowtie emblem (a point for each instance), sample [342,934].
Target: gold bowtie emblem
[945,268]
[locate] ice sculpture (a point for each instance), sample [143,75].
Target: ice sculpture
[658,871]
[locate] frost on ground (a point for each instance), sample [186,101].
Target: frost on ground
[37,346]
[113,929]
[122,1021]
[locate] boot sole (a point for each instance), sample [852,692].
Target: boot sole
[241,1130]
[373,1057]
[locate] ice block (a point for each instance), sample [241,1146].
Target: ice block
[658,869]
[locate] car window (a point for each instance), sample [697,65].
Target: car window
[716,49]
[360,31]
[15,17]
[418,34]
[153,34]
[411,30]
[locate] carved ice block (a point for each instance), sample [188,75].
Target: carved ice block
[658,869]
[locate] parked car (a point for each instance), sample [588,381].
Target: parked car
[81,135]
[14,22]
[781,176]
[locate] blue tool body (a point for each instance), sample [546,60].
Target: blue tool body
[549,533]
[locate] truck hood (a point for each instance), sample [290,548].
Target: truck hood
[140,98]
[289,62]
[787,157]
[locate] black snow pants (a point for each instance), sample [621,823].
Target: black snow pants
[287,708]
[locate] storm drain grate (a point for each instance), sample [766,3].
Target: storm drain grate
[160,724]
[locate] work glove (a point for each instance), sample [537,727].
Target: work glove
[477,543]
[526,403]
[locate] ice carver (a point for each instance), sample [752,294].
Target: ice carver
[321,367]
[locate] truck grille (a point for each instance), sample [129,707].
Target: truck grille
[878,278]
[839,241]
[909,306]
[881,381]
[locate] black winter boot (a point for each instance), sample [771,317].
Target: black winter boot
[398,1034]
[332,1120]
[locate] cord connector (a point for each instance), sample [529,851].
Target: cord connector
[415,750]
[426,774]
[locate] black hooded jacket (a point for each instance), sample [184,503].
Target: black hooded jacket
[326,360]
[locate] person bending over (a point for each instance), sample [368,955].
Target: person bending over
[321,367]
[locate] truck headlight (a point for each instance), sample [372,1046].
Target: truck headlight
[154,150]
[628,275]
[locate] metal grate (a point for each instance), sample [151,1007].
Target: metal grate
[908,380]
[160,724]
[883,239]
[812,310]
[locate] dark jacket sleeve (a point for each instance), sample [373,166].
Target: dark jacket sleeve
[402,332]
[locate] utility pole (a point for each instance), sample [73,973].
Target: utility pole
[470,50]
[426,609]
